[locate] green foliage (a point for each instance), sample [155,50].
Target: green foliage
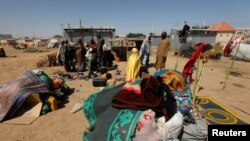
[135,35]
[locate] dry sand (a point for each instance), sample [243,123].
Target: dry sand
[60,125]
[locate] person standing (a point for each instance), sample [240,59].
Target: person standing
[64,56]
[80,55]
[133,65]
[91,54]
[184,33]
[162,52]
[100,52]
[145,51]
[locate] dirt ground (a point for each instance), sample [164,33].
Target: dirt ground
[63,126]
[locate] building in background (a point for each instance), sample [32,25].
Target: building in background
[194,36]
[88,33]
[5,36]
[244,32]
[224,32]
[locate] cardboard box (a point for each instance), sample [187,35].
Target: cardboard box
[28,112]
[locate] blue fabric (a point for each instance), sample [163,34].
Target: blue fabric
[144,52]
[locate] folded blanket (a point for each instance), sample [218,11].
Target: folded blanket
[106,122]
[154,95]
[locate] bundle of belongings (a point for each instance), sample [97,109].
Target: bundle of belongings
[155,108]
[22,100]
[2,52]
[104,78]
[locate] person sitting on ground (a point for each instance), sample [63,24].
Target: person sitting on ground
[110,81]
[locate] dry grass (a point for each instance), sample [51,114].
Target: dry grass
[48,61]
[59,72]
[34,50]
[42,63]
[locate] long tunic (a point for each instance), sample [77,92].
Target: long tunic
[144,52]
[133,66]
[162,52]
[80,54]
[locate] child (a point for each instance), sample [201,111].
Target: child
[110,81]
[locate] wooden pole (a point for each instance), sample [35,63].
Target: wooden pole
[176,63]
[198,83]
[179,58]
[230,68]
[196,78]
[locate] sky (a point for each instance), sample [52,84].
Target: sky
[45,18]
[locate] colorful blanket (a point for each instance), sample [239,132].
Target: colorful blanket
[106,122]
[179,87]
[13,94]
[154,95]
[215,113]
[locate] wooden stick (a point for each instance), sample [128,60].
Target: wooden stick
[179,58]
[230,68]
[176,63]
[199,80]
[196,78]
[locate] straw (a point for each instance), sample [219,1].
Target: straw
[230,68]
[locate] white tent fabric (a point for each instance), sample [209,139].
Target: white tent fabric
[243,52]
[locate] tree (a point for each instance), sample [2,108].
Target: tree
[135,35]
[196,27]
[57,36]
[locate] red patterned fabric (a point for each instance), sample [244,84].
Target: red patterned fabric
[188,68]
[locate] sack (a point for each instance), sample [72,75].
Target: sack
[2,52]
[98,82]
[197,131]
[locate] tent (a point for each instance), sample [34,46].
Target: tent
[123,46]
[25,89]
[237,49]
[243,52]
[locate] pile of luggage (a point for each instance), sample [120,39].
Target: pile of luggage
[58,91]
[2,52]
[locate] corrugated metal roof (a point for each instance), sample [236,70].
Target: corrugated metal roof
[91,27]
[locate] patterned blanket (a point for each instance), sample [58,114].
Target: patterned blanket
[13,94]
[106,122]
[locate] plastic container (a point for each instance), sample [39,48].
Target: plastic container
[46,80]
[53,103]
[55,84]
[117,59]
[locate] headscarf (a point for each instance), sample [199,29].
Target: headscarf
[133,65]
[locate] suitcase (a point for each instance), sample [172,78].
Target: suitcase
[98,82]
[103,70]
[144,69]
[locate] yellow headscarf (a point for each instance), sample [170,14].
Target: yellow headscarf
[133,65]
